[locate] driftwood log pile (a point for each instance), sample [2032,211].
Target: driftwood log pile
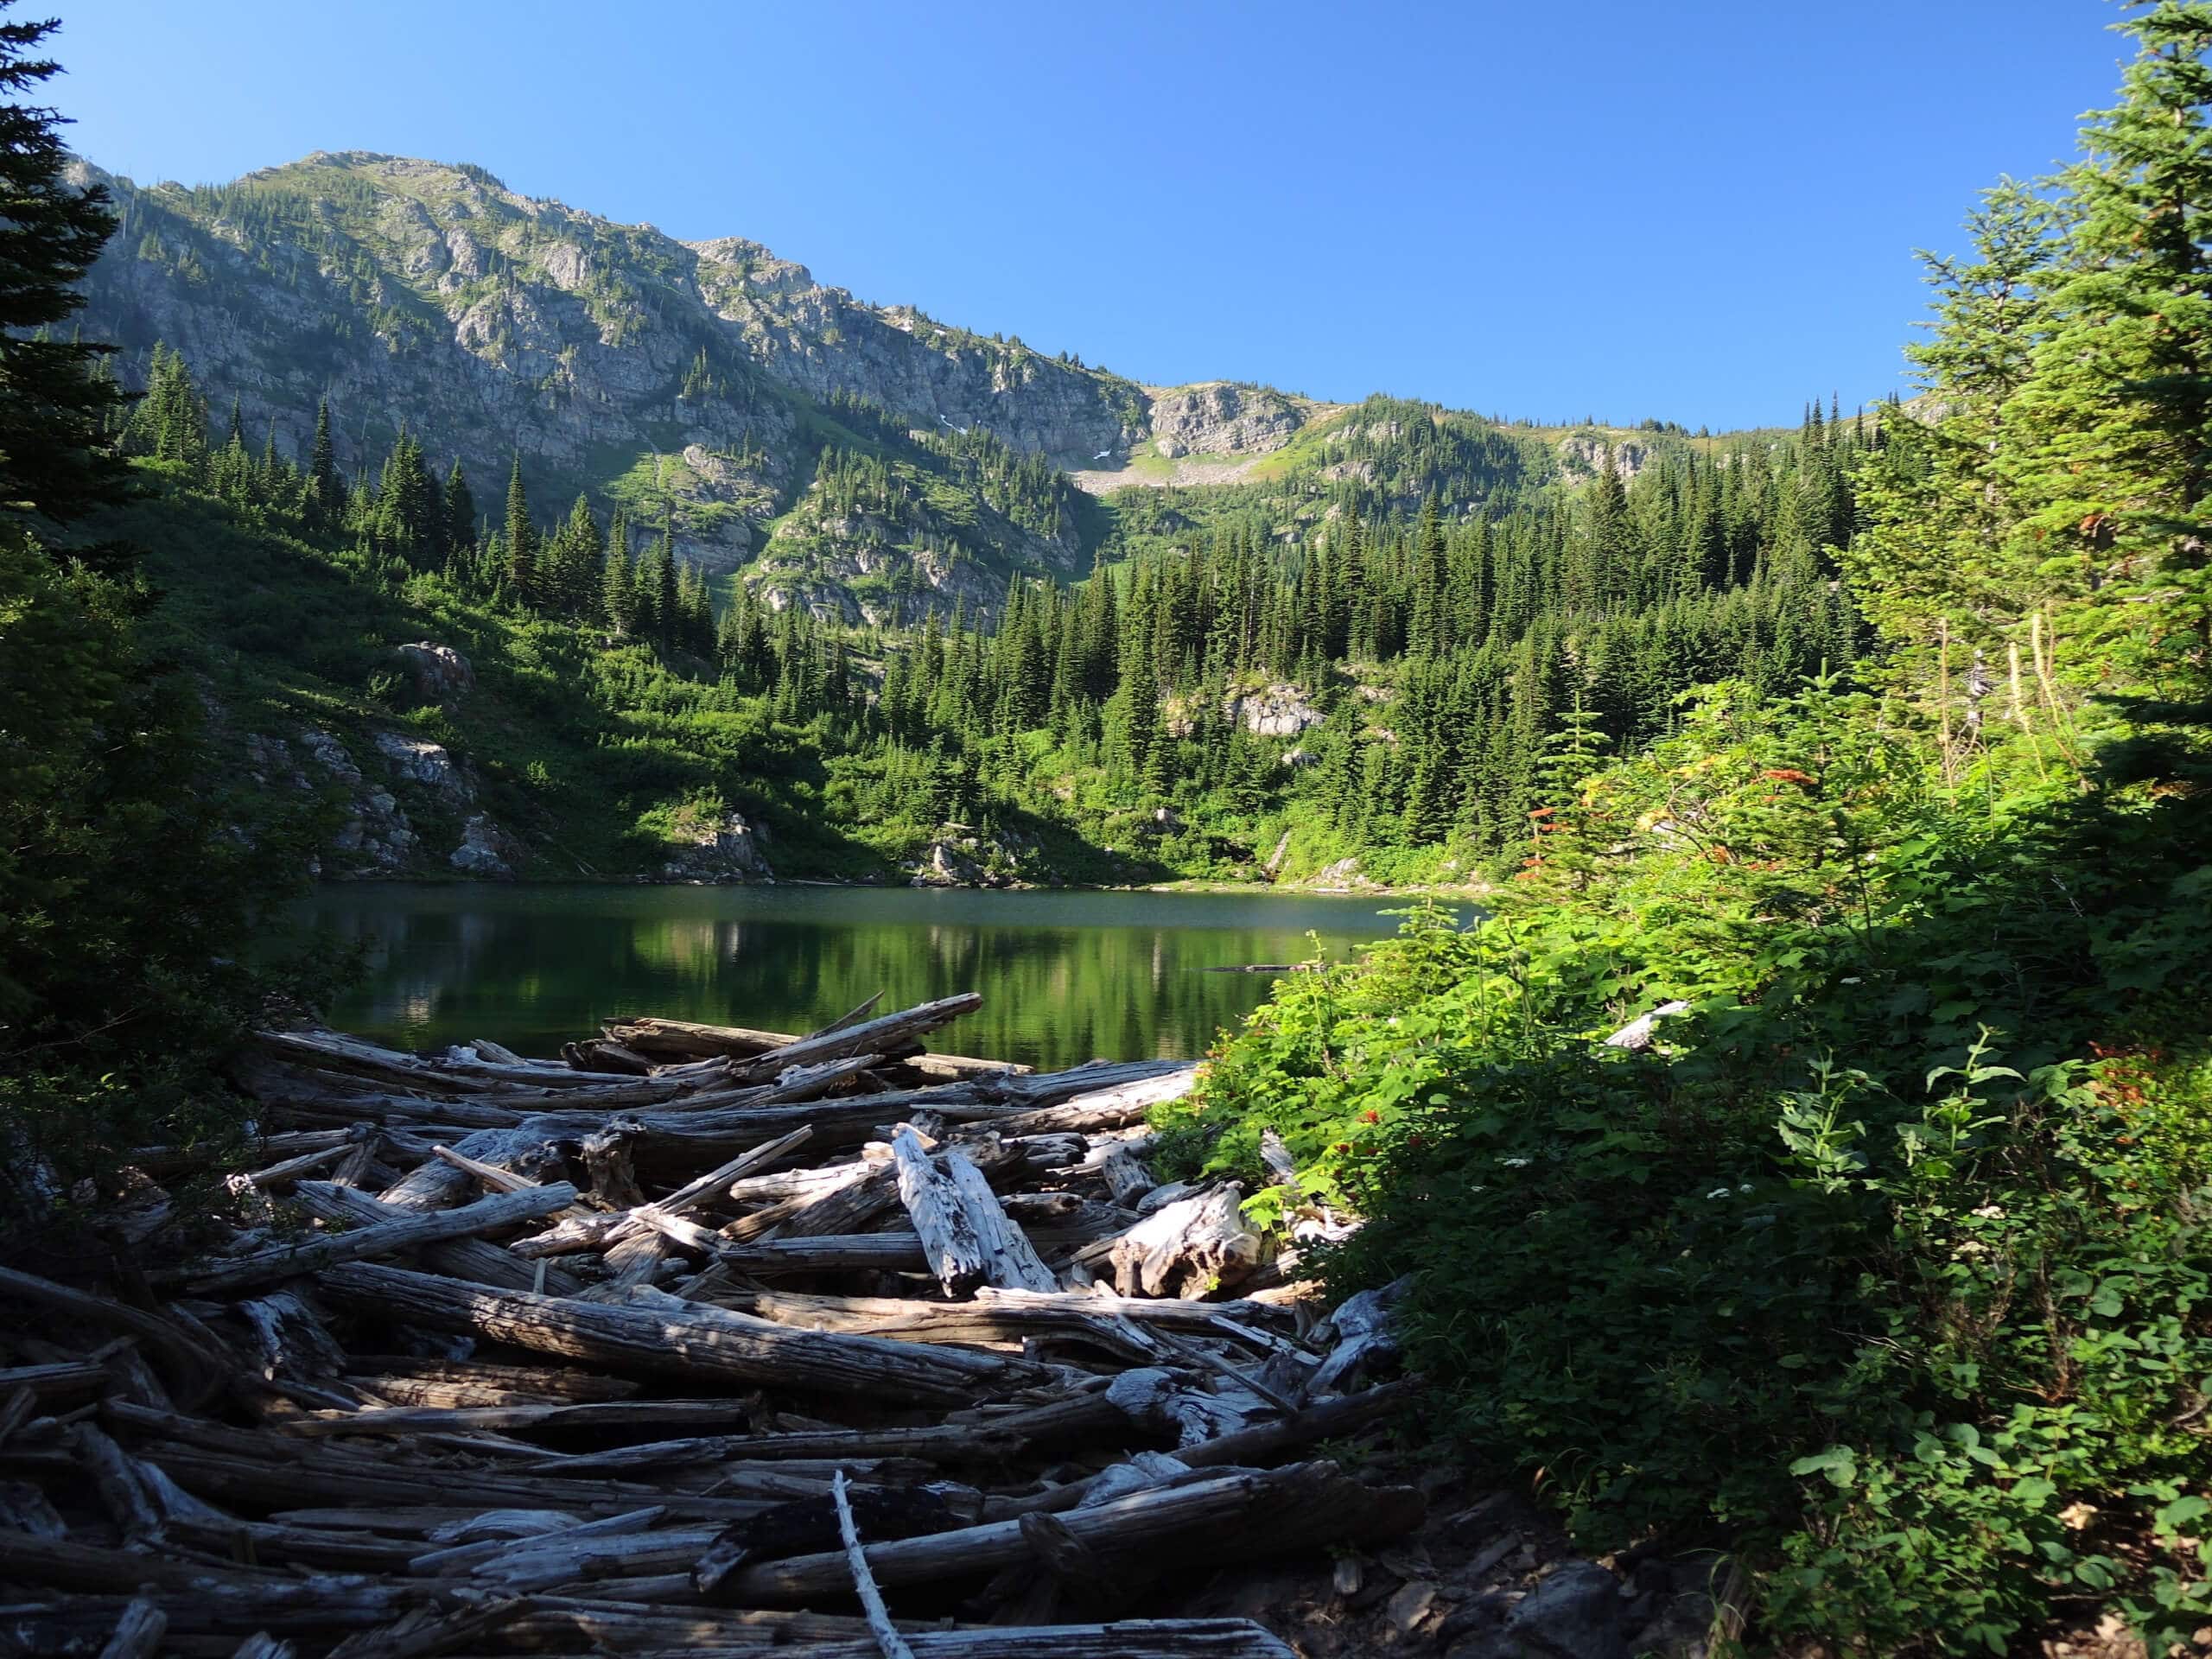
[696,1337]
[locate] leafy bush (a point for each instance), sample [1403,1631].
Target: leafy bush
[1887,1263]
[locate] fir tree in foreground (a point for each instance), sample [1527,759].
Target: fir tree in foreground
[54,403]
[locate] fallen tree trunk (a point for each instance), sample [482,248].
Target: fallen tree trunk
[1206,1521]
[671,1338]
[405,1232]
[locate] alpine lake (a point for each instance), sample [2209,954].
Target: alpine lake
[1065,975]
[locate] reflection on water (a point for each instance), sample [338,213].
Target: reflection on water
[1066,977]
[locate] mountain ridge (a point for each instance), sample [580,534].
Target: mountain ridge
[708,381]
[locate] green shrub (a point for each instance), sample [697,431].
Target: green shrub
[1886,1266]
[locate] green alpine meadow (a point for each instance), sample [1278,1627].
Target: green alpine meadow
[1775,1145]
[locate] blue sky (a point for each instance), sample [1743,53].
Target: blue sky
[1703,212]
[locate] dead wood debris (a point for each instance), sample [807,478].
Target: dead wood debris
[698,1337]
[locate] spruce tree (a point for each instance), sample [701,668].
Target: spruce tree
[460,513]
[521,541]
[326,501]
[2116,465]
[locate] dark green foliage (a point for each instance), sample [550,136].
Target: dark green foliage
[131,880]
[55,402]
[1884,1266]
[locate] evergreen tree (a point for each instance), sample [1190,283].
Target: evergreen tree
[521,542]
[326,500]
[54,409]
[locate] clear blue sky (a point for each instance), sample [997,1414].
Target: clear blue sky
[1703,211]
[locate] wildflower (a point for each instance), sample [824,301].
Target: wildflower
[1513,1163]
[1717,1192]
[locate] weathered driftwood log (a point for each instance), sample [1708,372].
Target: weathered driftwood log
[881,1252]
[667,1632]
[407,1381]
[968,1441]
[667,1337]
[373,1484]
[137,1633]
[402,1232]
[1125,1178]
[965,1235]
[809,1524]
[1209,1520]
[887,1639]
[428,1631]
[1158,1399]
[1194,1245]
[881,1036]
[207,1619]
[197,1364]
[460,1258]
[728,1415]
[64,1376]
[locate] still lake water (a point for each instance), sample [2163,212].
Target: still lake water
[1066,977]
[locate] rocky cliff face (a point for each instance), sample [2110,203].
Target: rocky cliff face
[1219,419]
[614,359]
[710,382]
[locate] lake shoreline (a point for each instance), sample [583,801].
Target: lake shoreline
[1468,891]
[1068,974]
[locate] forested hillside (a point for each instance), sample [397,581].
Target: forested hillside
[1227,698]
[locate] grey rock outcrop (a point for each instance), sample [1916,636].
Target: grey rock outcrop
[416,760]
[1275,711]
[485,850]
[725,849]
[491,319]
[1220,419]
[439,673]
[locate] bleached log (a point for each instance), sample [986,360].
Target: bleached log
[673,1339]
[380,1482]
[59,1377]
[1125,1178]
[1157,1400]
[411,1382]
[965,1233]
[949,1245]
[405,1232]
[1195,1245]
[887,1639]
[1640,1033]
[293,1341]
[1205,1521]
[428,1631]
[117,1484]
[881,1036]
[729,1416]
[1255,1445]
[643,1632]
[137,1633]
[1011,1263]
[199,1365]
[460,1258]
